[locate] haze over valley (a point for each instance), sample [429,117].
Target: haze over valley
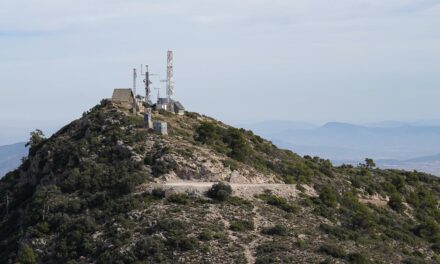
[399,145]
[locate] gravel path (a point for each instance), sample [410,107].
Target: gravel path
[244,190]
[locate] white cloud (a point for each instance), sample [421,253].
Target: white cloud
[47,15]
[286,50]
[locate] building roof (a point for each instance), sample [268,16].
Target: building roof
[162,100]
[122,95]
[178,106]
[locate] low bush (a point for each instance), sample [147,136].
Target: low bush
[179,198]
[161,167]
[395,203]
[158,193]
[26,255]
[181,242]
[279,202]
[148,246]
[242,225]
[328,197]
[220,191]
[357,258]
[206,235]
[276,230]
[333,250]
[238,201]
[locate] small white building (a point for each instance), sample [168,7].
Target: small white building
[161,127]
[163,104]
[148,119]
[170,106]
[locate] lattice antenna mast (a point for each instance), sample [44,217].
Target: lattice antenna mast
[134,90]
[147,86]
[170,75]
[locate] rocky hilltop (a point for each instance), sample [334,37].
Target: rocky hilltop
[104,189]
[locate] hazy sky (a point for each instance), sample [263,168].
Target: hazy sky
[239,61]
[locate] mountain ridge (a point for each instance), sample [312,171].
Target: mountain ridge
[103,190]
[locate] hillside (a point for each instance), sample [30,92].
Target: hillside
[105,190]
[10,156]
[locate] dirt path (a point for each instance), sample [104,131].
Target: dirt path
[250,249]
[244,190]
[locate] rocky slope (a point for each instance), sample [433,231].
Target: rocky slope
[103,190]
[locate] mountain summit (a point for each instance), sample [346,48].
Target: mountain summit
[104,189]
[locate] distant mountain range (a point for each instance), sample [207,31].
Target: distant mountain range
[10,157]
[392,144]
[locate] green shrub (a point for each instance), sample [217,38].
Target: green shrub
[357,215]
[414,260]
[179,198]
[277,230]
[357,258]
[279,202]
[242,225]
[232,164]
[272,247]
[26,255]
[238,145]
[161,167]
[395,202]
[429,229]
[192,115]
[158,193]
[182,242]
[220,191]
[301,243]
[328,197]
[339,232]
[206,235]
[148,246]
[436,248]
[238,201]
[289,180]
[333,251]
[188,243]
[206,133]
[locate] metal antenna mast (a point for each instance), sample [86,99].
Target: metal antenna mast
[170,76]
[158,92]
[134,90]
[147,85]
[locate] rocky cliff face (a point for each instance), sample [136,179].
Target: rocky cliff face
[105,190]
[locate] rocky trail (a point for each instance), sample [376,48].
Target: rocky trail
[244,190]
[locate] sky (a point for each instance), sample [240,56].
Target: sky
[242,61]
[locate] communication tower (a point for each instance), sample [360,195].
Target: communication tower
[170,76]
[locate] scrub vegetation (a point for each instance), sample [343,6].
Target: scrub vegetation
[78,198]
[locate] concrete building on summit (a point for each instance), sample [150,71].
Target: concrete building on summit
[123,97]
